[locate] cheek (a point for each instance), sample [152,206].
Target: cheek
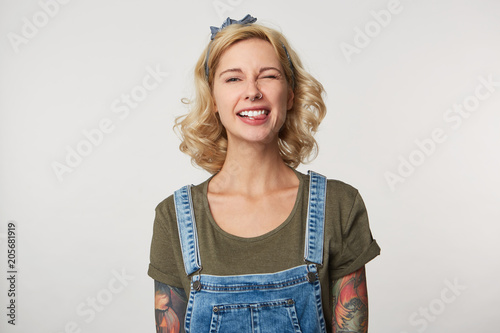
[223,117]
[220,101]
[224,103]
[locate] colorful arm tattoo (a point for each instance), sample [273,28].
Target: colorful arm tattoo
[170,308]
[350,303]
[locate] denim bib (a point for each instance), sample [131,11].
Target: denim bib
[285,301]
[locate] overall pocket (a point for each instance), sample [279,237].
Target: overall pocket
[278,316]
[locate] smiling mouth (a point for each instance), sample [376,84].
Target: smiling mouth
[254,114]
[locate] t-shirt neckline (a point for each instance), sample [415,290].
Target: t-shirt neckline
[208,212]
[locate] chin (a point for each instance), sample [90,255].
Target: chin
[267,139]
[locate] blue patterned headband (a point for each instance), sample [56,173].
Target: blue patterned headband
[248,19]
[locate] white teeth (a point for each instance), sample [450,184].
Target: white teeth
[252,113]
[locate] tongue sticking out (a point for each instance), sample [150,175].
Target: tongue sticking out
[257,117]
[254,115]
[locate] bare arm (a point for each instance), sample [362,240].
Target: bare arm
[170,308]
[350,303]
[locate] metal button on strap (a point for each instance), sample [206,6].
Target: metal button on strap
[311,277]
[197,285]
[216,309]
[290,301]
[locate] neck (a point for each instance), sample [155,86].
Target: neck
[253,169]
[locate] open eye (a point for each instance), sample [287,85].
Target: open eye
[232,79]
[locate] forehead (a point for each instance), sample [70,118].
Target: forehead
[248,53]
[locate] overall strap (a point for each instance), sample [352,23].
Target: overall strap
[187,229]
[313,251]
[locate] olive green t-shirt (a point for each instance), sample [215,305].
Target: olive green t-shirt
[348,240]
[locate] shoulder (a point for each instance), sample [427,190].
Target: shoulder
[167,206]
[342,199]
[339,189]
[336,190]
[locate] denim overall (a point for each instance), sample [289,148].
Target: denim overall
[285,301]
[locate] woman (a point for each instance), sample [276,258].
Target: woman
[259,243]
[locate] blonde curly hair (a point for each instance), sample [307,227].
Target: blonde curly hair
[204,137]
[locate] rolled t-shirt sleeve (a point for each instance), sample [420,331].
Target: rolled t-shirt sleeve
[164,255]
[356,245]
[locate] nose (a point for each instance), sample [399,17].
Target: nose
[252,91]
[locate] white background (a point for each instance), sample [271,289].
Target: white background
[437,225]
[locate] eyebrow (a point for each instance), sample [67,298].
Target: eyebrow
[238,70]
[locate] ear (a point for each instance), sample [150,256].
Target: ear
[289,102]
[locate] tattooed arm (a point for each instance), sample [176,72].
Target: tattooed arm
[350,303]
[170,307]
